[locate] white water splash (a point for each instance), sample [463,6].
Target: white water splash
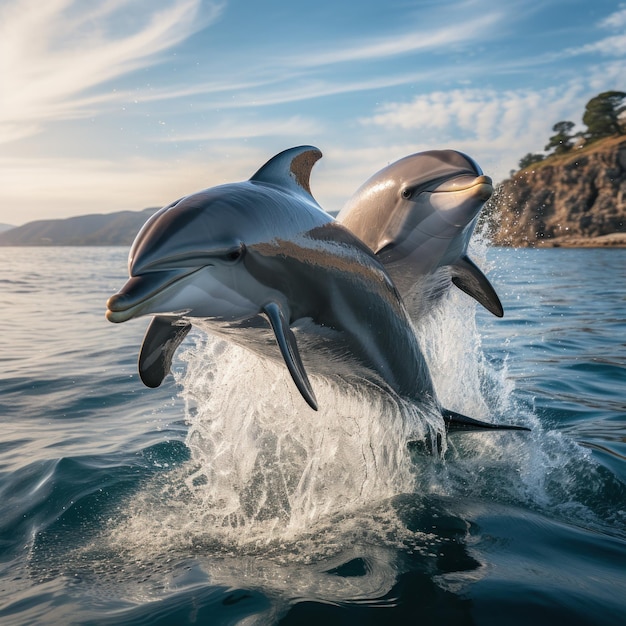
[264,459]
[451,341]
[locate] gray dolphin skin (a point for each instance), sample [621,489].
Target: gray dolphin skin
[418,215]
[261,264]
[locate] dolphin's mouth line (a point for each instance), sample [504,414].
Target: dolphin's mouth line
[193,259]
[479,190]
[456,184]
[141,290]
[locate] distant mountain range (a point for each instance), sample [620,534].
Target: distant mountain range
[112,229]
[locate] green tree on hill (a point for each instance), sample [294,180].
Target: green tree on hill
[562,141]
[602,115]
[529,159]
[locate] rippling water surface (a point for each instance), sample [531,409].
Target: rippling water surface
[221,498]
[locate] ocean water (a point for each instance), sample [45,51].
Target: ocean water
[220,498]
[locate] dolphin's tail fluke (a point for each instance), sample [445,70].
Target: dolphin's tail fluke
[456,421]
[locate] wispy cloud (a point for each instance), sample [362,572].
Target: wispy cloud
[616,20]
[237,129]
[53,53]
[416,40]
[314,89]
[609,46]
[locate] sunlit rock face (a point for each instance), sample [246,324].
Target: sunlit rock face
[572,200]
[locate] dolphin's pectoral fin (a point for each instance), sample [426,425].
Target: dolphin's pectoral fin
[290,168]
[468,278]
[162,338]
[456,421]
[289,349]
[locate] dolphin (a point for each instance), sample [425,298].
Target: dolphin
[418,215]
[262,264]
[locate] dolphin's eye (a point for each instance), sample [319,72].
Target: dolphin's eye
[236,254]
[407,193]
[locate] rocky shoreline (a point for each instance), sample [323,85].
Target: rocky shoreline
[613,240]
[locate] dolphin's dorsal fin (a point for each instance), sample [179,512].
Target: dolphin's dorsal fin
[289,349]
[162,338]
[290,169]
[467,277]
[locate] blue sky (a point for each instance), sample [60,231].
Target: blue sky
[111,105]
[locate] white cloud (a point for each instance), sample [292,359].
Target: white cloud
[484,114]
[312,89]
[608,76]
[616,20]
[230,129]
[403,43]
[52,53]
[609,46]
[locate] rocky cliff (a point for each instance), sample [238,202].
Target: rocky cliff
[576,199]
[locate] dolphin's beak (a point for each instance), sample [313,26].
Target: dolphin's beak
[136,295]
